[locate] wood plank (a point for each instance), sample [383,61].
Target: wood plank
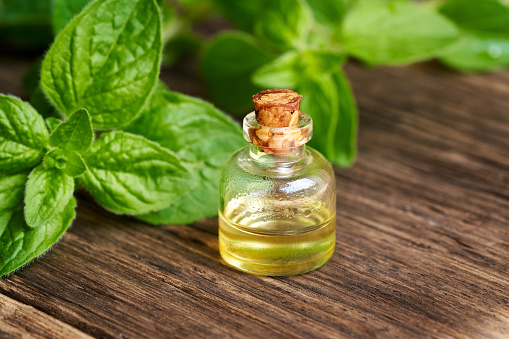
[21,321]
[422,247]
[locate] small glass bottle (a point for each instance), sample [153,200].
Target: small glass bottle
[277,209]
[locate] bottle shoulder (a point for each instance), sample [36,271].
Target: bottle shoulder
[313,166]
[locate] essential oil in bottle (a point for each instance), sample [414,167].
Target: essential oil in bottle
[277,204]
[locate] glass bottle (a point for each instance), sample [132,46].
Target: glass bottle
[277,204]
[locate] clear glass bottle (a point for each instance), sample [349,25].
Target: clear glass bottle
[277,208]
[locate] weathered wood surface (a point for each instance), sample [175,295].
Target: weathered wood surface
[19,320]
[422,246]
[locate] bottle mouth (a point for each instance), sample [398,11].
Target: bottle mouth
[278,140]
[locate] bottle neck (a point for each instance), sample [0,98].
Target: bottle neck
[294,156]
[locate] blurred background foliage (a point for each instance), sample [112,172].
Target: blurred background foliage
[296,44]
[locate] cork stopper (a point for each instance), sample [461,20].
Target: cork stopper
[277,107]
[277,126]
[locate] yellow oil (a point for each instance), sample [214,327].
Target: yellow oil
[277,244]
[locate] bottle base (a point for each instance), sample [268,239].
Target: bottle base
[276,270]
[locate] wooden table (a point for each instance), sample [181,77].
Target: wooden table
[422,245]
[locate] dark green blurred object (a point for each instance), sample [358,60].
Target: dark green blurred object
[227,65]
[64,11]
[25,24]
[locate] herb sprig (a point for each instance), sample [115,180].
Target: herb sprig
[303,44]
[158,154]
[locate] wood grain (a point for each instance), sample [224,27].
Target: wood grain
[21,321]
[422,246]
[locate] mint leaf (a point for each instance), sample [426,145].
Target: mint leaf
[318,63]
[52,123]
[485,35]
[479,53]
[242,13]
[227,64]
[23,135]
[20,244]
[290,68]
[64,11]
[283,72]
[488,16]
[396,33]
[327,12]
[330,102]
[75,133]
[68,161]
[12,189]
[202,137]
[285,23]
[130,174]
[106,60]
[344,151]
[48,192]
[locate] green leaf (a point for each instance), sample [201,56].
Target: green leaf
[319,63]
[242,13]
[70,162]
[345,139]
[396,33]
[105,60]
[327,12]
[48,192]
[227,65]
[12,189]
[485,35]
[130,174]
[75,133]
[290,68]
[52,123]
[283,72]
[64,11]
[479,53]
[285,23]
[202,137]
[488,16]
[23,135]
[20,244]
[330,102]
